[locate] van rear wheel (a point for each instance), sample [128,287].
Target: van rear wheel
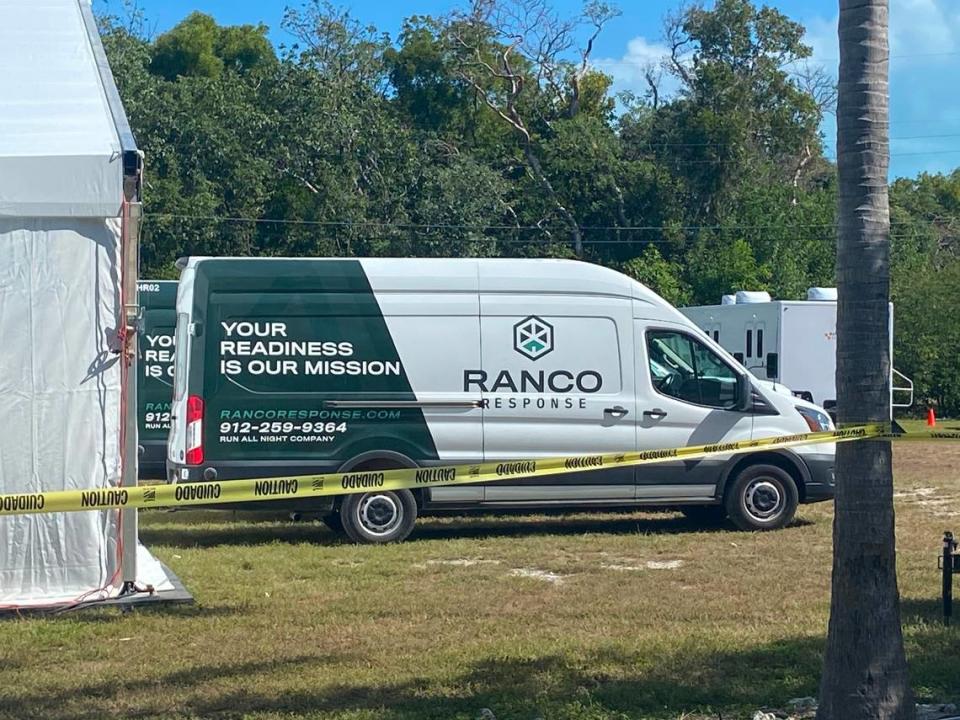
[375,518]
[762,497]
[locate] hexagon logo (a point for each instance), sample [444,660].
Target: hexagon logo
[533,337]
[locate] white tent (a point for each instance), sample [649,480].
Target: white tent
[69,190]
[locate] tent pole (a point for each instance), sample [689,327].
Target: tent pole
[130,238]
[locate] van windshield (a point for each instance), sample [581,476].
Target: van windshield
[180,357]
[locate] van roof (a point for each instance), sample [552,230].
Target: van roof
[495,274]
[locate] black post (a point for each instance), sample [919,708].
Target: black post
[949,546]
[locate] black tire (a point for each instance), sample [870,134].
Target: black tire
[705,515]
[375,518]
[333,523]
[762,497]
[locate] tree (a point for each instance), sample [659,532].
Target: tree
[515,56]
[740,111]
[925,274]
[198,47]
[736,149]
[865,669]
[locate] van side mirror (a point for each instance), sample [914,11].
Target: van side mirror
[744,393]
[773,366]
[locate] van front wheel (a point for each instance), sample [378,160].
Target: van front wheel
[762,497]
[375,518]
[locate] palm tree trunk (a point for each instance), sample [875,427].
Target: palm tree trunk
[865,670]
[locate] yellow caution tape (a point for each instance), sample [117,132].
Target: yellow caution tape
[312,486]
[301,487]
[924,434]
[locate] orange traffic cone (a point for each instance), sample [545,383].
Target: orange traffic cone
[931,418]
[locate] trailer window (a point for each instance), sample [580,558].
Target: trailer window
[759,342]
[684,368]
[749,343]
[180,356]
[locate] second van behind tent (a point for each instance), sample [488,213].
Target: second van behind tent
[297,366]
[158,299]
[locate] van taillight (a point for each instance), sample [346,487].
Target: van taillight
[194,430]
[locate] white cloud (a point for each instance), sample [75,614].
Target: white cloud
[628,72]
[923,34]
[919,29]
[923,27]
[925,58]
[821,36]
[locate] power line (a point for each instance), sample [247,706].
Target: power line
[720,161]
[468,226]
[728,144]
[566,241]
[906,56]
[378,224]
[925,137]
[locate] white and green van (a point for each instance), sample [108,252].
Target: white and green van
[158,319]
[290,366]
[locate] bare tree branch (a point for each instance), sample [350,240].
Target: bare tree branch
[652,75]
[679,42]
[817,83]
[511,49]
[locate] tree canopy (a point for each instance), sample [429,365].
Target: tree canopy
[491,131]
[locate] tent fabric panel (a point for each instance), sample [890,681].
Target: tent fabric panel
[61,186]
[60,381]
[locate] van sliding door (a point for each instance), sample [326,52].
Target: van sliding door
[437,335]
[554,383]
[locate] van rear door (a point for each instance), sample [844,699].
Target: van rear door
[177,441]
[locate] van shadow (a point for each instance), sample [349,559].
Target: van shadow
[493,526]
[237,533]
[260,531]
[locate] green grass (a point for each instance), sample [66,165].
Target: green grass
[919,424]
[291,623]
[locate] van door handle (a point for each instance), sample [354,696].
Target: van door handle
[655,413]
[616,411]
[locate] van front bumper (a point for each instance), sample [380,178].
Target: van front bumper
[821,484]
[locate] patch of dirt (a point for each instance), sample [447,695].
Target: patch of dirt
[535,574]
[623,568]
[664,564]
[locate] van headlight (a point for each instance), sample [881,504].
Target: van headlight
[817,421]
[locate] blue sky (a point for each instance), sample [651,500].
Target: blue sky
[925,55]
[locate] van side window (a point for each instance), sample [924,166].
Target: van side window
[684,368]
[180,358]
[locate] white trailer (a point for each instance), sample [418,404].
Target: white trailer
[793,342]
